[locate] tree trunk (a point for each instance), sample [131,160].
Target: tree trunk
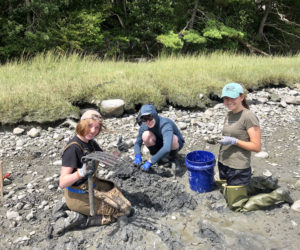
[28,18]
[260,32]
[192,20]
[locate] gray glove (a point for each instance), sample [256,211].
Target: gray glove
[226,140]
[86,169]
[122,146]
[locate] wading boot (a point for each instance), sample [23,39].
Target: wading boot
[59,210]
[219,183]
[262,184]
[236,196]
[260,201]
[175,160]
[73,221]
[100,220]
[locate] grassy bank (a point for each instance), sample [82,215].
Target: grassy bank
[49,87]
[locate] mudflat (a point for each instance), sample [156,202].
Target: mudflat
[168,214]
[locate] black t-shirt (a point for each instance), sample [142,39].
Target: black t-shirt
[74,151]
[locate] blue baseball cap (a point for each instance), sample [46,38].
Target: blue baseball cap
[148,109]
[232,90]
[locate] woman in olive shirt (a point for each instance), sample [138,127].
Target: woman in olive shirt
[240,136]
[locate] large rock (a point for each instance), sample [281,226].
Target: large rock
[293,100]
[112,108]
[34,132]
[18,131]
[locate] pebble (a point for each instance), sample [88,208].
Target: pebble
[267,173]
[10,215]
[296,206]
[262,154]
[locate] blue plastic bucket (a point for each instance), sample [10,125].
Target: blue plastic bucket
[200,165]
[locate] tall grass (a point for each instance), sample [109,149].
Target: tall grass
[48,87]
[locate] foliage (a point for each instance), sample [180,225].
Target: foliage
[171,41]
[192,36]
[134,28]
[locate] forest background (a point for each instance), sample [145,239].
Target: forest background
[146,28]
[59,56]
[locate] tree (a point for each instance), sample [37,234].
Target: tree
[279,25]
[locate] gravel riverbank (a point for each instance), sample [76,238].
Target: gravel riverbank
[168,214]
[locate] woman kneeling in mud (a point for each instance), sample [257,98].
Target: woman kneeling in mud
[109,202]
[241,135]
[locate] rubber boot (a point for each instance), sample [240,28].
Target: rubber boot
[59,210]
[100,220]
[73,221]
[219,183]
[262,184]
[175,159]
[265,200]
[235,196]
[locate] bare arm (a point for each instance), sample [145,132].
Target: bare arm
[255,143]
[67,178]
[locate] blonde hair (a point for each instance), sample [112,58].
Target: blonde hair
[82,127]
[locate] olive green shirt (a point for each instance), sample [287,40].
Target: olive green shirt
[236,125]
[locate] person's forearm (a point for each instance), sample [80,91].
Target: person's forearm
[248,145]
[68,179]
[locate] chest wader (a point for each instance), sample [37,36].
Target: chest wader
[235,196]
[238,200]
[109,202]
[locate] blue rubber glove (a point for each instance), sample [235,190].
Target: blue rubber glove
[226,140]
[146,166]
[137,159]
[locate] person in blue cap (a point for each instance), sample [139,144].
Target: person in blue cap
[240,136]
[160,135]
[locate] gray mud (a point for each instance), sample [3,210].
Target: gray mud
[167,213]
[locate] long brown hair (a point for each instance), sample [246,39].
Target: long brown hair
[244,102]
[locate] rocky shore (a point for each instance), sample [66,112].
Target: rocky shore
[168,214]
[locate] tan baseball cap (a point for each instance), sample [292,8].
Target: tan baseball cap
[91,114]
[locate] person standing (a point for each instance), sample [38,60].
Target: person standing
[160,135]
[241,135]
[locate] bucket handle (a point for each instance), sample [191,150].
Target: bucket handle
[208,171]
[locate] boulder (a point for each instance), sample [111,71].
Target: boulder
[34,132]
[18,131]
[112,107]
[292,100]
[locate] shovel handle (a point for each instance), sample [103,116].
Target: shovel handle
[91,192]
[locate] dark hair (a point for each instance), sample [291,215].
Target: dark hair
[244,102]
[138,119]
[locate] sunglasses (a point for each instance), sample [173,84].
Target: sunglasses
[146,118]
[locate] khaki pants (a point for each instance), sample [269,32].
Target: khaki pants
[108,199]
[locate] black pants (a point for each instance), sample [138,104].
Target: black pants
[234,177]
[159,144]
